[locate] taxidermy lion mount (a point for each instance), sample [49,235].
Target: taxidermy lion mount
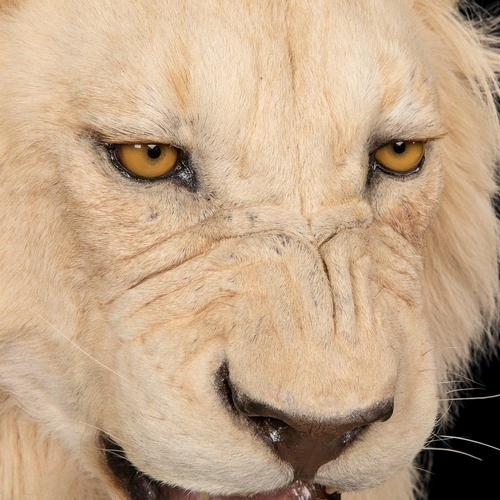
[243,244]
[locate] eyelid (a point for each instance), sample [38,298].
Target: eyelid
[128,135]
[386,142]
[378,142]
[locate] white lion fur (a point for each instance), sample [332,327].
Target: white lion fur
[277,100]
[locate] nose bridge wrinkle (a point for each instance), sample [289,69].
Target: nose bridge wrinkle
[244,221]
[331,221]
[344,251]
[204,235]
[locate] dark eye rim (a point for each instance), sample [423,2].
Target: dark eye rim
[182,172]
[377,166]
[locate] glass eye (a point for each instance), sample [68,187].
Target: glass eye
[400,157]
[146,161]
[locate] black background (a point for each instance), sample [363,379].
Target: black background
[456,476]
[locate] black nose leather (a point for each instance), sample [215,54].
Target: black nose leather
[306,444]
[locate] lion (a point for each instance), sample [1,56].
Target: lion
[245,245]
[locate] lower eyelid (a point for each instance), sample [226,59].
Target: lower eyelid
[375,166]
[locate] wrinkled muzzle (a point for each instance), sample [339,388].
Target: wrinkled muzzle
[253,346]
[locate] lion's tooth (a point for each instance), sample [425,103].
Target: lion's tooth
[329,490]
[204,496]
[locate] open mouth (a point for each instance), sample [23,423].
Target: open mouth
[140,486]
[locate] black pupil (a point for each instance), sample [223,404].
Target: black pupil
[154,151]
[399,147]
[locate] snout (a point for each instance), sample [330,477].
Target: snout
[302,342]
[268,349]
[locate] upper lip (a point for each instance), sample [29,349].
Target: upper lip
[140,486]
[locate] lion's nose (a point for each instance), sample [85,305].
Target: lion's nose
[305,443]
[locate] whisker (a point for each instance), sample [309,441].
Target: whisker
[453,451]
[435,437]
[79,348]
[115,453]
[444,414]
[462,382]
[423,470]
[444,437]
[114,438]
[463,377]
[130,382]
[460,376]
[465,389]
[471,398]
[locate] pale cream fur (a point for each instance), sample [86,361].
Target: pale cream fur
[324,289]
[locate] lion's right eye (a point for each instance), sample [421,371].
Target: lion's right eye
[145,161]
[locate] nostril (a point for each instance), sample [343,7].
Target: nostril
[268,427]
[379,412]
[223,386]
[351,435]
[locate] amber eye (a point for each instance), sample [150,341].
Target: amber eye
[400,157]
[147,161]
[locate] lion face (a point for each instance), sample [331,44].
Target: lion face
[257,314]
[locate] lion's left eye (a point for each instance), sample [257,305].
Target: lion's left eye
[400,157]
[145,161]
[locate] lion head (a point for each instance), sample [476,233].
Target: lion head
[242,243]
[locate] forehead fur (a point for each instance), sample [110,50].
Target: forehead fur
[248,83]
[197,60]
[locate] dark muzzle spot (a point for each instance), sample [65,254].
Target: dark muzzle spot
[138,485]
